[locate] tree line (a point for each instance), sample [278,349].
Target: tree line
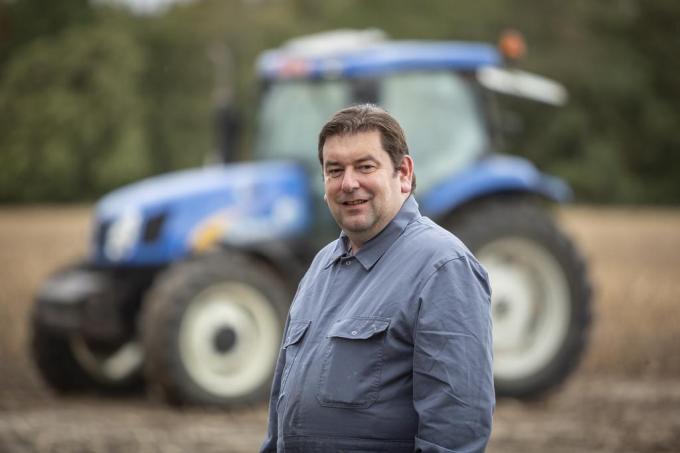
[93,96]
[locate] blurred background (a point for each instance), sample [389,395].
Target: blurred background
[95,94]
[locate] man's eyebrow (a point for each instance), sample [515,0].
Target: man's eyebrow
[366,158]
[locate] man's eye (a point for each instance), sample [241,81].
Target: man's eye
[333,172]
[366,168]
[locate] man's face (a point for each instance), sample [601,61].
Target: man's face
[363,190]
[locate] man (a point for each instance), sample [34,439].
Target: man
[387,346]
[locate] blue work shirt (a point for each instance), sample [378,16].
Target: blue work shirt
[387,350]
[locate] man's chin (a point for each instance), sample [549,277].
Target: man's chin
[355,226]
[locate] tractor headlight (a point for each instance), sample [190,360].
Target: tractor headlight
[123,235]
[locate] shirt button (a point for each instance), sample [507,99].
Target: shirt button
[348,262]
[354,332]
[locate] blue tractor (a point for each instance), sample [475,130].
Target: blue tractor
[191,273]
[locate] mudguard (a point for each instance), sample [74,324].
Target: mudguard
[493,174]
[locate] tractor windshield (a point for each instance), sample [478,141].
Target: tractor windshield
[438,111]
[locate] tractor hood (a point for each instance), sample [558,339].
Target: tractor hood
[170,216]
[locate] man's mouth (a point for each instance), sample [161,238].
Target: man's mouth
[354,202]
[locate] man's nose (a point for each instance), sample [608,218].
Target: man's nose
[349,181]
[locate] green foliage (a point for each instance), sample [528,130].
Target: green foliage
[617,139]
[92,97]
[176,85]
[71,116]
[23,20]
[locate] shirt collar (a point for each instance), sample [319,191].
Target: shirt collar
[376,247]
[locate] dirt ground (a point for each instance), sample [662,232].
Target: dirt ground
[624,397]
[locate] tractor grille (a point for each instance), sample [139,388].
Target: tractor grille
[153,228]
[100,234]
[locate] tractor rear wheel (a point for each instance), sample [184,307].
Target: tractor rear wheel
[540,293]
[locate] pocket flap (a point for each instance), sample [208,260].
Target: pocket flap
[296,330]
[358,328]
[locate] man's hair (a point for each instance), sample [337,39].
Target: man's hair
[367,118]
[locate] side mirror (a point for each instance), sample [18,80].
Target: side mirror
[227,133]
[226,122]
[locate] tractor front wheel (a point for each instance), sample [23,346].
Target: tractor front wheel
[212,330]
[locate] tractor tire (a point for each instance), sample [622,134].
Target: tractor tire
[212,329]
[541,294]
[71,364]
[56,363]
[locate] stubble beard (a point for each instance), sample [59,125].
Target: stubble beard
[359,227]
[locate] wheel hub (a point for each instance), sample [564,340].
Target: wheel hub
[501,309]
[225,340]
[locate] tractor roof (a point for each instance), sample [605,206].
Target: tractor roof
[348,53]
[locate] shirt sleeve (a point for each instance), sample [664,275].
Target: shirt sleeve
[269,444]
[453,391]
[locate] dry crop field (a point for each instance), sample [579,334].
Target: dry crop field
[624,397]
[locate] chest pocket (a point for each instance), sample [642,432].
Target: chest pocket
[353,361]
[291,346]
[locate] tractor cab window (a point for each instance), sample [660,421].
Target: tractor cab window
[442,121]
[292,114]
[438,111]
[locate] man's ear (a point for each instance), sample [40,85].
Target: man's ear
[406,173]
[325,198]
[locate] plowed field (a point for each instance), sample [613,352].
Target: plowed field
[624,397]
